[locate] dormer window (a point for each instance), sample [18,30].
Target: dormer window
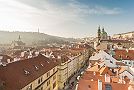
[26,72]
[53,70]
[127,56]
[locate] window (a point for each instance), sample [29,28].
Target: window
[125,62]
[29,87]
[54,77]
[53,70]
[111,61]
[127,56]
[39,81]
[48,74]
[129,62]
[41,88]
[89,86]
[54,85]
[48,82]
[108,87]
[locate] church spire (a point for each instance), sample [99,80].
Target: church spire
[19,39]
[99,34]
[103,29]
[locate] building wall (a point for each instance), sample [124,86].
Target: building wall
[47,81]
[128,62]
[70,68]
[62,75]
[67,69]
[124,35]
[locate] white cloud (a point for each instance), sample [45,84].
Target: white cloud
[51,17]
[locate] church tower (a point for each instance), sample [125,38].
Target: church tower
[99,34]
[104,34]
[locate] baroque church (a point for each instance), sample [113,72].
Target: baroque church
[102,34]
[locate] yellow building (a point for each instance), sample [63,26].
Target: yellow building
[63,72]
[38,73]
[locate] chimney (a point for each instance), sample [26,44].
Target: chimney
[59,57]
[36,53]
[99,84]
[4,64]
[8,61]
[107,78]
[1,57]
[22,54]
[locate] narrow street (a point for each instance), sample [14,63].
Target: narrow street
[73,81]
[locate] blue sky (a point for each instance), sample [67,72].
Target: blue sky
[67,18]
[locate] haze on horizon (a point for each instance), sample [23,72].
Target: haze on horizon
[67,18]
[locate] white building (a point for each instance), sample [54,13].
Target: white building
[104,57]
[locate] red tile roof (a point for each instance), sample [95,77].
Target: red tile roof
[124,54]
[13,74]
[5,57]
[89,80]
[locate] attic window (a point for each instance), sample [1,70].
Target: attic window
[26,72]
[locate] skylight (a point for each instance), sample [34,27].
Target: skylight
[42,65]
[48,62]
[36,67]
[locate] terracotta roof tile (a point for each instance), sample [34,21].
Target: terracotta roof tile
[14,76]
[124,54]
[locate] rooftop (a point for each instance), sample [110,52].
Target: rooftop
[19,74]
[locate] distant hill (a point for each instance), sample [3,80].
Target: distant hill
[31,37]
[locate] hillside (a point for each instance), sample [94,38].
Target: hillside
[30,37]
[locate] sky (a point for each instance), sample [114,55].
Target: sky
[67,18]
